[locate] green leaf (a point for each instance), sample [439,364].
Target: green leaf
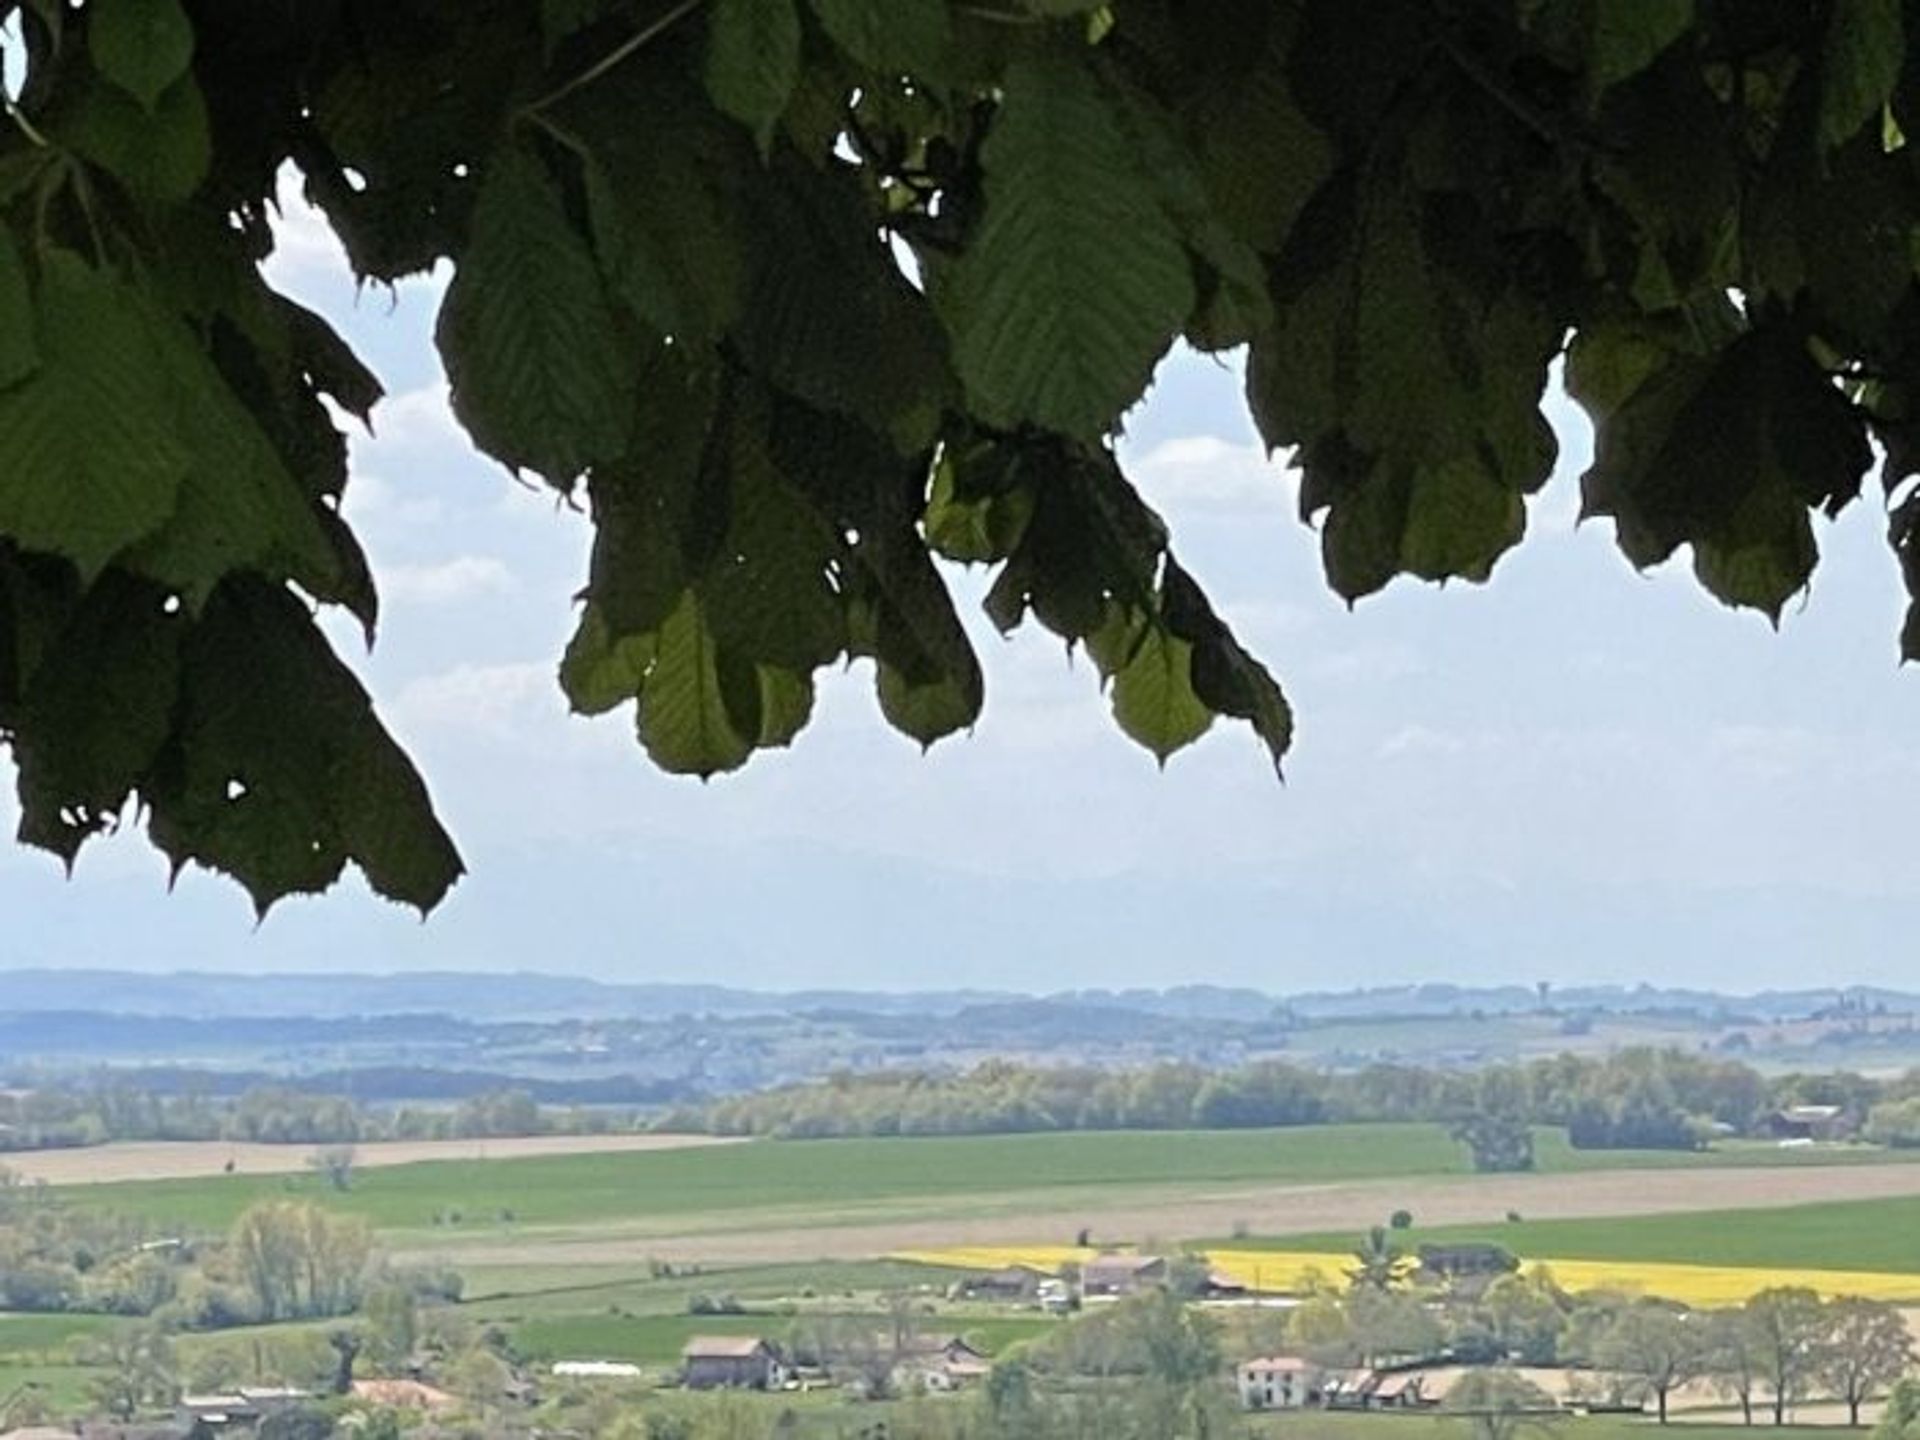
[539,375]
[1866,46]
[928,711]
[19,352]
[1225,677]
[1725,452]
[94,457]
[895,37]
[1153,697]
[1261,158]
[684,721]
[98,709]
[1076,281]
[753,61]
[663,196]
[602,670]
[281,774]
[766,593]
[239,507]
[1626,36]
[979,529]
[786,704]
[162,153]
[142,46]
[830,319]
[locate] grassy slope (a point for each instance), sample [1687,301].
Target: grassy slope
[1844,1235]
[824,1175]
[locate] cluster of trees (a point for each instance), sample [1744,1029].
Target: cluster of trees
[56,1257]
[1638,1098]
[50,1117]
[283,1259]
[1784,1347]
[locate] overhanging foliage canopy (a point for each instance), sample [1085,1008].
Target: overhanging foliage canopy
[676,230]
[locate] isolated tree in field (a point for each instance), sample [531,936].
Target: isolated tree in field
[1656,1348]
[672,230]
[1498,1403]
[1787,1328]
[1866,1349]
[335,1164]
[1378,1261]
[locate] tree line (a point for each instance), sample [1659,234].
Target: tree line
[1633,1099]
[49,1117]
[1783,1347]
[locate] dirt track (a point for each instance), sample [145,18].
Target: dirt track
[164,1160]
[1054,1217]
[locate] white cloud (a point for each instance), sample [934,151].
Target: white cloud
[1206,473]
[461,578]
[506,702]
[305,249]
[419,419]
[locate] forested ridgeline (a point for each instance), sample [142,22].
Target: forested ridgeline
[1640,1098]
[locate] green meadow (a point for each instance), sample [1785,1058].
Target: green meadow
[1841,1235]
[877,1176]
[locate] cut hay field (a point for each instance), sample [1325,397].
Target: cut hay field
[211,1159]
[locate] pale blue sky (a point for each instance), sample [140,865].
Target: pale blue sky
[1572,773]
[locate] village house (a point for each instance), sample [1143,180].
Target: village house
[941,1362]
[1278,1382]
[1466,1266]
[243,1408]
[731,1362]
[1810,1122]
[1014,1285]
[1113,1276]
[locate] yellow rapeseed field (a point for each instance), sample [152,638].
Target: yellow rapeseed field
[1302,1270]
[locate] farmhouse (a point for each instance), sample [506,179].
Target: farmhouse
[1014,1285]
[730,1362]
[1810,1122]
[1111,1276]
[942,1362]
[246,1406]
[1469,1262]
[1278,1382]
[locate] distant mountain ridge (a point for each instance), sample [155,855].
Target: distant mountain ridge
[528,996]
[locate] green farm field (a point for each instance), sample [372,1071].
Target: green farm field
[1845,1235]
[825,1181]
